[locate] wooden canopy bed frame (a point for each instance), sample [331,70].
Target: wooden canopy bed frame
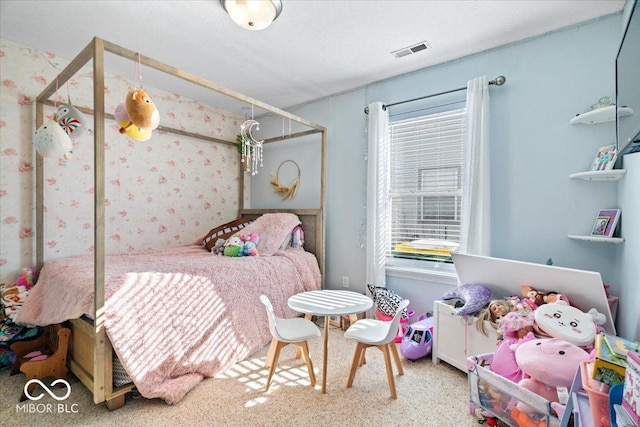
[90,351]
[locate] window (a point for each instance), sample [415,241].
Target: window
[425,186]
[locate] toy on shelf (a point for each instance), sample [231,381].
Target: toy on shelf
[418,339]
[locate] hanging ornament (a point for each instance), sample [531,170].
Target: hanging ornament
[51,140]
[140,115]
[132,131]
[251,149]
[281,190]
[141,110]
[71,120]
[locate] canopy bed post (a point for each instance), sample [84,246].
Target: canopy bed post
[39,194]
[323,210]
[100,376]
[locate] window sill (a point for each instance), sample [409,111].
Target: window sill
[438,275]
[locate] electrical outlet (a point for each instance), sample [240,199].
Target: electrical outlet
[345,281]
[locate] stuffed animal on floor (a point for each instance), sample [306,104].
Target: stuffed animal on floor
[550,363]
[474,297]
[386,300]
[233,246]
[141,110]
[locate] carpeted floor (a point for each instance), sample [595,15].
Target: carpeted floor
[428,395]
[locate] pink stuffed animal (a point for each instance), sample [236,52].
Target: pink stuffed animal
[550,363]
[504,359]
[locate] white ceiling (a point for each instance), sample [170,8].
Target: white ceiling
[313,50]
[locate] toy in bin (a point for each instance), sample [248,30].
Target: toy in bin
[418,339]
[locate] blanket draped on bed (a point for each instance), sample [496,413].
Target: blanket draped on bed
[175,316]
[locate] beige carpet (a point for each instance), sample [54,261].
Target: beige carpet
[428,395]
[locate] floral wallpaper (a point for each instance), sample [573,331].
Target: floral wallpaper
[167,191]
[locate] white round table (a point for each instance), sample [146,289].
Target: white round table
[327,303]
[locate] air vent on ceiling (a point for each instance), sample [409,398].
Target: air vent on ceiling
[411,49]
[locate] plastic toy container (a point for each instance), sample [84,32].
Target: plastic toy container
[598,396]
[500,396]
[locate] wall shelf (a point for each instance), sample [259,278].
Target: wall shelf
[609,175]
[615,240]
[601,115]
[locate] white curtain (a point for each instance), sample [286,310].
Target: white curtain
[475,236]
[377,189]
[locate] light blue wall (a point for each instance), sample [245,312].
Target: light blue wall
[533,150]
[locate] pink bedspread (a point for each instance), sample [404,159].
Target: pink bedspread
[178,315]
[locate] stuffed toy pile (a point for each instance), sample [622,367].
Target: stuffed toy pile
[14,296]
[238,245]
[541,342]
[12,299]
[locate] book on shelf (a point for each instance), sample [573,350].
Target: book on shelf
[606,223]
[605,158]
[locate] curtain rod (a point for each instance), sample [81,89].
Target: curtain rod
[498,81]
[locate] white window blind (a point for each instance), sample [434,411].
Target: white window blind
[425,186]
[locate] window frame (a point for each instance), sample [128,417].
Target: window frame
[422,269]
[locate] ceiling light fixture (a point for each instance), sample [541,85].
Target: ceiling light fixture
[253,14]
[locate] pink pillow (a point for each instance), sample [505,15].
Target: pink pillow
[273,229]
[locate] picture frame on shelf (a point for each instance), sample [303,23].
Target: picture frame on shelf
[605,158]
[606,223]
[600,226]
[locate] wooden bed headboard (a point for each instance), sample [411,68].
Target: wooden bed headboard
[312,222]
